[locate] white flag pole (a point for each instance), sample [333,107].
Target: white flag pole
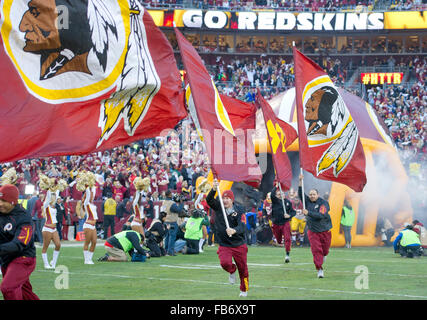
[222,207]
[302,189]
[281,197]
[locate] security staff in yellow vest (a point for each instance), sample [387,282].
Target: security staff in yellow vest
[194,231]
[347,221]
[110,210]
[123,243]
[23,203]
[407,243]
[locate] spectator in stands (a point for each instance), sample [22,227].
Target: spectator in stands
[110,211]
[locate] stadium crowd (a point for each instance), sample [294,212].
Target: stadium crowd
[293,5]
[236,77]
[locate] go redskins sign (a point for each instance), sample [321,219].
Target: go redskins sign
[282,20]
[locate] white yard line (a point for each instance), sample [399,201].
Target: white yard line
[384,294]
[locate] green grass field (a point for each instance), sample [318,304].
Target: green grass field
[200,277]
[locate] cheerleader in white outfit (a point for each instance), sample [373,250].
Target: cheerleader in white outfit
[203,188]
[142,186]
[49,231]
[90,210]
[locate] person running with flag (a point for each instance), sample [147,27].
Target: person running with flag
[319,225]
[231,237]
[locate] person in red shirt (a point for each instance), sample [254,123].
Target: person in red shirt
[118,190]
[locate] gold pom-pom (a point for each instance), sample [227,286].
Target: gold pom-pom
[204,186]
[62,185]
[9,177]
[44,182]
[141,184]
[81,181]
[90,179]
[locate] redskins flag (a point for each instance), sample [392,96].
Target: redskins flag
[223,123]
[81,76]
[280,136]
[329,143]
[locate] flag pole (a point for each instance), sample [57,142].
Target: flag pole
[281,197]
[302,189]
[222,205]
[302,180]
[271,149]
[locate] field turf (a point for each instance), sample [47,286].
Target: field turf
[373,273]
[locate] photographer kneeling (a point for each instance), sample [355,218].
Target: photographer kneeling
[154,236]
[194,231]
[123,243]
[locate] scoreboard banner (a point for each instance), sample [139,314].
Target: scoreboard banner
[282,20]
[373,78]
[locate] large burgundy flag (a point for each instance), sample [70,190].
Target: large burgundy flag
[229,147]
[83,76]
[329,144]
[280,135]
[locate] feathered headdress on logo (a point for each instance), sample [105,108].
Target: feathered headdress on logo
[101,23]
[139,82]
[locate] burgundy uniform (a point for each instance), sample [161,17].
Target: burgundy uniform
[17,254]
[233,247]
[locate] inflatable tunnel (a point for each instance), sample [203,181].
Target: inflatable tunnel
[384,196]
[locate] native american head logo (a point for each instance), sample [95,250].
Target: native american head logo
[328,121]
[77,50]
[66,50]
[88,27]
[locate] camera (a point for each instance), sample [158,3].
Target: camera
[184,214]
[198,213]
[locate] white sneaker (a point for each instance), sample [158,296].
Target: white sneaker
[89,262]
[287,259]
[243,294]
[52,265]
[232,278]
[48,266]
[320,273]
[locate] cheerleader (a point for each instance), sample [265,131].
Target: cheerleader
[49,230]
[90,211]
[203,188]
[142,186]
